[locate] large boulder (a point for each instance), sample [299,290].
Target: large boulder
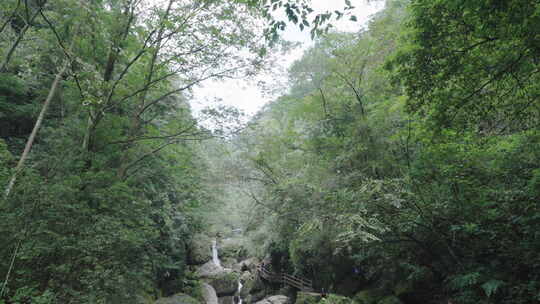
[224,280]
[200,249]
[225,283]
[274,300]
[209,269]
[209,294]
[179,298]
[246,276]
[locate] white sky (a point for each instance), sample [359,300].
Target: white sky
[247,96]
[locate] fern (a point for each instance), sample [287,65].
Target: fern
[490,287]
[462,281]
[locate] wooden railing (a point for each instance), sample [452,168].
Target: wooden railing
[291,280]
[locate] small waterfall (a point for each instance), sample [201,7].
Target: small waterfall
[215,257]
[238,292]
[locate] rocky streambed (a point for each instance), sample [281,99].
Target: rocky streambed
[226,277]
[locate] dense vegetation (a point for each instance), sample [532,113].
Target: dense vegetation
[403,160]
[102,207]
[406,156]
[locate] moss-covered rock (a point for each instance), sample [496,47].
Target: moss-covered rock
[246,276]
[307,298]
[208,270]
[225,283]
[178,299]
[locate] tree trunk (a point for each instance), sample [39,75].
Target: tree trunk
[37,125]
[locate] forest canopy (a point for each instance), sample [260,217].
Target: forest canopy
[401,164]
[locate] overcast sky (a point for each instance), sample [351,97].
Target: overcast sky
[247,96]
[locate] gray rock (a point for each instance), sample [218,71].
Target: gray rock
[200,249]
[209,294]
[179,298]
[246,276]
[225,283]
[224,280]
[274,300]
[209,270]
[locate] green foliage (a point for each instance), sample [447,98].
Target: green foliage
[300,14]
[323,150]
[472,64]
[31,295]
[432,179]
[192,286]
[113,187]
[367,296]
[464,281]
[6,161]
[15,107]
[307,298]
[390,300]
